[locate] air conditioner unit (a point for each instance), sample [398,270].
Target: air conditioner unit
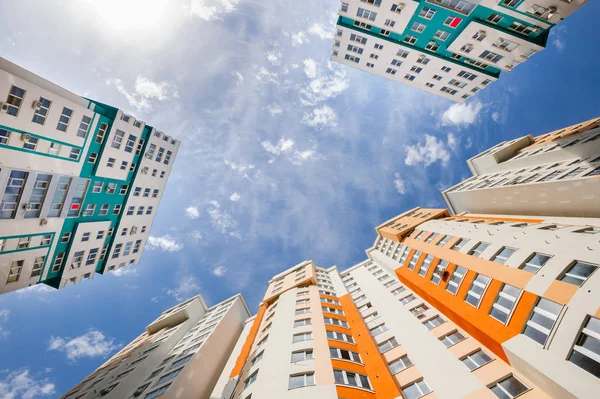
[36,104]
[482,33]
[551,12]
[27,206]
[4,107]
[148,155]
[43,222]
[25,137]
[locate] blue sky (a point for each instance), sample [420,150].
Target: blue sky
[285,156]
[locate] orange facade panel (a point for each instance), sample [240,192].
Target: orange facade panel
[375,367]
[403,224]
[245,352]
[354,393]
[475,321]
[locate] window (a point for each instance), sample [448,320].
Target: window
[505,44]
[425,265]
[452,339]
[505,303]
[305,354]
[344,377]
[301,380]
[118,139]
[84,126]
[457,277]
[378,46]
[124,165]
[443,241]
[535,262]
[85,236]
[30,143]
[335,322]
[416,390]
[476,359]
[400,364]
[509,388]
[521,28]
[58,262]
[391,71]
[117,209]
[510,3]
[542,320]
[250,379]
[398,291]
[416,69]
[459,244]
[402,53]
[14,100]
[110,163]
[408,299]
[366,14]
[452,22]
[89,210]
[479,248]
[413,260]
[302,337]
[337,353]
[433,46]
[578,273]
[427,13]
[491,56]
[157,393]
[24,242]
[410,39]
[441,34]
[475,293]
[97,187]
[15,271]
[586,351]
[370,317]
[352,58]
[378,330]
[41,111]
[432,323]
[340,336]
[46,240]
[494,18]
[418,27]
[390,23]
[388,344]
[302,310]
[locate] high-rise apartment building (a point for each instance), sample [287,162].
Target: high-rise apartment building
[80,183]
[556,174]
[452,48]
[499,302]
[180,355]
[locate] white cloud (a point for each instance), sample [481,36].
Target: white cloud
[164,243]
[239,77]
[431,151]
[310,68]
[288,147]
[496,117]
[154,299]
[196,236]
[235,197]
[558,43]
[399,184]
[126,271]
[461,114]
[187,288]
[241,169]
[299,38]
[274,57]
[264,75]
[145,92]
[324,84]
[210,10]
[219,271]
[192,212]
[299,157]
[21,385]
[274,109]
[283,145]
[91,344]
[319,30]
[4,333]
[222,221]
[453,142]
[321,117]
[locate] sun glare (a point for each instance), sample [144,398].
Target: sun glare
[130,15]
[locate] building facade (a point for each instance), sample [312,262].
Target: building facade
[180,355]
[80,183]
[452,48]
[556,174]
